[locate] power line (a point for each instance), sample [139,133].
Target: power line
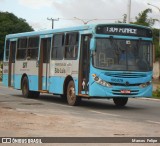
[84,20]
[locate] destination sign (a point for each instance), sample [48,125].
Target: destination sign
[123,30]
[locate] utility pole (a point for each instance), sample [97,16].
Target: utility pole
[129,11]
[51,19]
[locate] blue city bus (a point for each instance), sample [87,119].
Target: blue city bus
[112,61]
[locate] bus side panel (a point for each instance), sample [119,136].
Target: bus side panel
[17,83]
[33,82]
[76,85]
[5,74]
[5,80]
[56,85]
[28,68]
[59,71]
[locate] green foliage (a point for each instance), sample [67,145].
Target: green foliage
[142,18]
[9,24]
[156,94]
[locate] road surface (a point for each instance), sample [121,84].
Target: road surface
[50,116]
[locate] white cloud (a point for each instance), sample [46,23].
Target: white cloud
[90,9]
[35,4]
[99,9]
[112,10]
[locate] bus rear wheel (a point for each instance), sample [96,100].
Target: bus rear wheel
[25,90]
[72,99]
[120,102]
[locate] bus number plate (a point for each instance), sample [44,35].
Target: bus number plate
[125,91]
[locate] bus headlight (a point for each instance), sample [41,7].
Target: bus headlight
[101,82]
[145,84]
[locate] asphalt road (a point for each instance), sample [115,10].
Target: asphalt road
[51,116]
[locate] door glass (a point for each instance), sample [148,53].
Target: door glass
[13,51]
[46,50]
[84,64]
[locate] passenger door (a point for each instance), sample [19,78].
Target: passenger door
[84,65]
[44,59]
[11,66]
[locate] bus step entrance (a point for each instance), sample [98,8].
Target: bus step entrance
[83,95]
[43,91]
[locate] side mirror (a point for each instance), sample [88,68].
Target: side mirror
[92,44]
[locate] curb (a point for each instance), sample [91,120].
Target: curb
[151,99]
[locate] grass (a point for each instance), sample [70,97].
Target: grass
[156,94]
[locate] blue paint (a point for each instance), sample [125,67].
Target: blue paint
[56,85]
[32,79]
[33,82]
[17,84]
[5,79]
[97,90]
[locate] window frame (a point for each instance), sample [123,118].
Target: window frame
[68,44]
[33,47]
[59,46]
[23,48]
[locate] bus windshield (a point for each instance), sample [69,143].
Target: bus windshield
[123,55]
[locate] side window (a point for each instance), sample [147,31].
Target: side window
[22,49]
[33,45]
[7,50]
[71,45]
[57,47]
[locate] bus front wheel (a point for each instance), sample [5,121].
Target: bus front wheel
[120,102]
[72,99]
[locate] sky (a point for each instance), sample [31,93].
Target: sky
[36,12]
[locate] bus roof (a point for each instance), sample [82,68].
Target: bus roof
[69,29]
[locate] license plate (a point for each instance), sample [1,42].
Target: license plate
[125,91]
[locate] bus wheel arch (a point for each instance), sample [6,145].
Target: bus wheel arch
[70,92]
[25,88]
[67,80]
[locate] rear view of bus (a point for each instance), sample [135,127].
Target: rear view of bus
[121,62]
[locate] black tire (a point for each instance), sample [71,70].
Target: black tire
[63,97]
[120,102]
[35,94]
[25,90]
[72,99]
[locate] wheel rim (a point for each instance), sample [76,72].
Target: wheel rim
[71,93]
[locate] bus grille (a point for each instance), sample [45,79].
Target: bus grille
[120,84]
[126,75]
[118,92]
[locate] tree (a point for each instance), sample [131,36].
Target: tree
[124,19]
[142,19]
[9,24]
